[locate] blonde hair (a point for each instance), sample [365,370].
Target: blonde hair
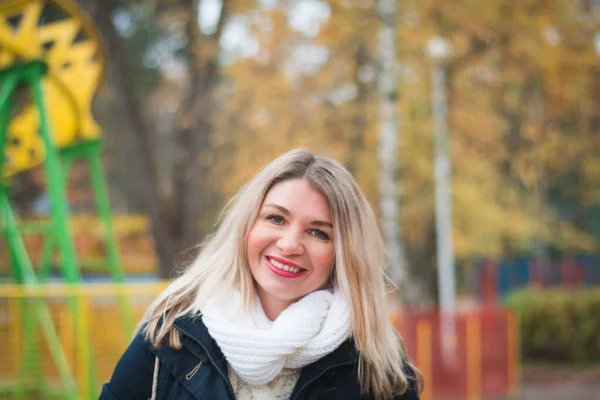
[360,261]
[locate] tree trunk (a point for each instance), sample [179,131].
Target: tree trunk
[137,139]
[388,143]
[195,131]
[359,114]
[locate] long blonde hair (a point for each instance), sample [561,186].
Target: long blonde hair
[360,260]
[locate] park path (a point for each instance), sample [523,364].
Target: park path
[560,383]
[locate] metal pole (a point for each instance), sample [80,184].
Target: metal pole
[102,204]
[7,86]
[443,195]
[110,238]
[55,181]
[22,270]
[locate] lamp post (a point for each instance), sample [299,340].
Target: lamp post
[439,52]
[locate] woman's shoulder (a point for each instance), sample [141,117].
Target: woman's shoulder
[346,380]
[132,376]
[338,375]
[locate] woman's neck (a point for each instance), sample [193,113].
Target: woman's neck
[272,306]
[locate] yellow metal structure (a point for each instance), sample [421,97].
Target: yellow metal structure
[100,311]
[60,34]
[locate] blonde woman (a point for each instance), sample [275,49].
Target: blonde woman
[286,300]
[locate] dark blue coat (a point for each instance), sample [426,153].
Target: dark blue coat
[332,377]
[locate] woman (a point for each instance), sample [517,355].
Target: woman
[286,300]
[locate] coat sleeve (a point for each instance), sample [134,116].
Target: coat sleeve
[132,377]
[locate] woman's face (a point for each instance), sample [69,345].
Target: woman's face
[290,246]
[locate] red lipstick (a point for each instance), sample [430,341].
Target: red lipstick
[281,272]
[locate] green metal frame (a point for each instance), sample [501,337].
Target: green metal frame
[57,236]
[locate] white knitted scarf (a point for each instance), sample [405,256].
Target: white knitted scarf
[258,349]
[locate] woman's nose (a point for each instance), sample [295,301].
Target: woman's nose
[290,242]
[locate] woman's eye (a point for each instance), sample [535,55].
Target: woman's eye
[276,219]
[319,234]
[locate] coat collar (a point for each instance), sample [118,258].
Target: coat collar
[197,340]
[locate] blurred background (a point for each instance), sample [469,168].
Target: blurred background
[472,127]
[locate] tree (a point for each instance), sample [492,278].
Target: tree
[174,221]
[389,126]
[523,113]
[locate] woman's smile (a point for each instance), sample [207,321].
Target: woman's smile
[283,268]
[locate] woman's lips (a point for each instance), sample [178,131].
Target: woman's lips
[281,272]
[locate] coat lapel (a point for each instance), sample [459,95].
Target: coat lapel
[198,341]
[200,366]
[345,354]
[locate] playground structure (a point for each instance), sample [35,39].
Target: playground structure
[52,49]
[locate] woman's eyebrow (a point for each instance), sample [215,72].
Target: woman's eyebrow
[322,223]
[280,208]
[287,212]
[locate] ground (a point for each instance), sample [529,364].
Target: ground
[560,383]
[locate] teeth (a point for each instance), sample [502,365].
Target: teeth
[284,267]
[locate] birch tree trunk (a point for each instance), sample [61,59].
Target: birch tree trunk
[388,144]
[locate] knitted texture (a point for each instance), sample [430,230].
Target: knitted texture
[280,388]
[258,349]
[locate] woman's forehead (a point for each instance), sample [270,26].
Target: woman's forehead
[298,196]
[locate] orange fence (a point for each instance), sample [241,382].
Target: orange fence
[464,356]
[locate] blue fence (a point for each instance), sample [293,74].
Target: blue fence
[495,279]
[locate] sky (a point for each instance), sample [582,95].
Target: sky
[237,41]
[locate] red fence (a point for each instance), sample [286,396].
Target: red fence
[466,355]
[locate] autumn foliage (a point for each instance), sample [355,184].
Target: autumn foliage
[523,85]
